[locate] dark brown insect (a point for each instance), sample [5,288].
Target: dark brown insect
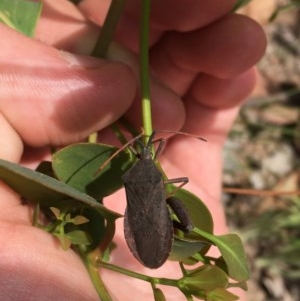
[148,226]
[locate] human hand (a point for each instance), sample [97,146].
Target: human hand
[208,65]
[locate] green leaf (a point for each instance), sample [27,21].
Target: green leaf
[204,278]
[220,294]
[239,4]
[64,240]
[191,243]
[55,211]
[20,15]
[184,248]
[78,166]
[79,220]
[78,237]
[242,285]
[232,250]
[284,8]
[233,253]
[47,191]
[158,295]
[198,212]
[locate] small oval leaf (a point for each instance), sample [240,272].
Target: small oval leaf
[184,248]
[232,250]
[78,166]
[221,294]
[78,237]
[20,15]
[45,190]
[197,211]
[204,278]
[158,295]
[201,218]
[79,220]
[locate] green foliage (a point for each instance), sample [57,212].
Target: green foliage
[240,3]
[21,15]
[47,191]
[204,278]
[158,295]
[78,166]
[294,4]
[78,220]
[194,205]
[220,294]
[231,248]
[188,244]
[276,233]
[65,229]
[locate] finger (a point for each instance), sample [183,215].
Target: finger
[221,94]
[168,111]
[213,123]
[165,16]
[11,146]
[162,98]
[224,49]
[62,25]
[51,97]
[210,114]
[63,278]
[182,16]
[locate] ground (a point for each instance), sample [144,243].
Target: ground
[262,154]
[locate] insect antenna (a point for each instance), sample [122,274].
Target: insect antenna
[128,144]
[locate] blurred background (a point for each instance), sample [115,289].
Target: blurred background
[261,176]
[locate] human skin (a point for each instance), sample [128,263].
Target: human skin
[202,62]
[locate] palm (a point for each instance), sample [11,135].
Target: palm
[209,79]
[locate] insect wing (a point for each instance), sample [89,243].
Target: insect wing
[149,244]
[147,225]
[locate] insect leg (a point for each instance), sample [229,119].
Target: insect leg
[178,208]
[128,144]
[182,181]
[161,143]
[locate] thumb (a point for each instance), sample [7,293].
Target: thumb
[51,97]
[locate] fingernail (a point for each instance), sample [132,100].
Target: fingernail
[81,61]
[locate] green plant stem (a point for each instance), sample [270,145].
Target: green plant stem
[105,38]
[109,234]
[89,261]
[36,214]
[93,138]
[183,270]
[152,280]
[144,68]
[123,271]
[283,8]
[118,133]
[108,29]
[129,127]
